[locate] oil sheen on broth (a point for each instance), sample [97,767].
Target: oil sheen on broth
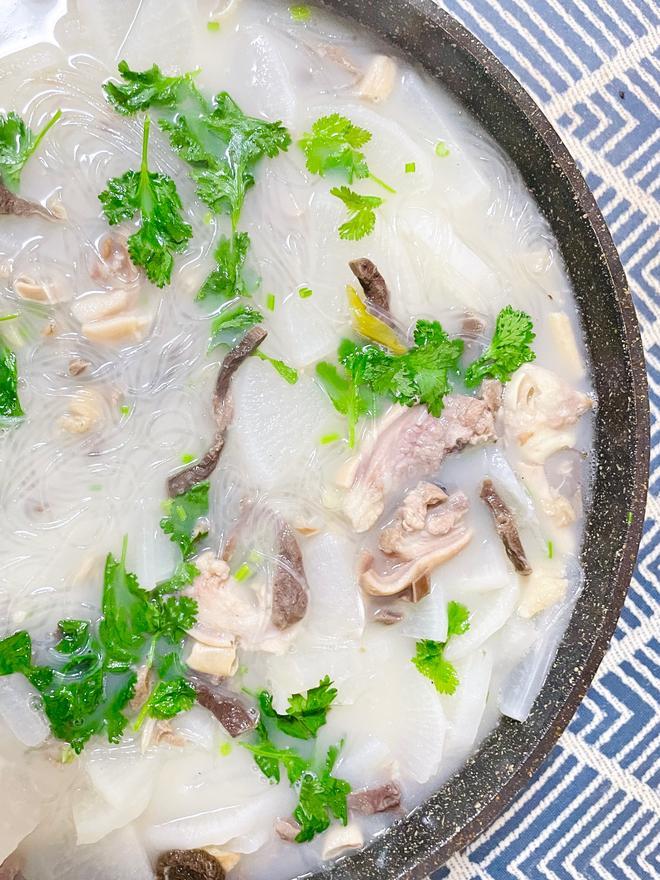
[452,540]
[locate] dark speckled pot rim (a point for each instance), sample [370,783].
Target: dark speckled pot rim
[497,772]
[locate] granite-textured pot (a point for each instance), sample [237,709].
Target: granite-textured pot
[474,797]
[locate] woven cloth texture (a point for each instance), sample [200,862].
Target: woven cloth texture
[593,809]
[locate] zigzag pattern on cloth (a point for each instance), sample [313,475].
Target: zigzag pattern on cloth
[593,810]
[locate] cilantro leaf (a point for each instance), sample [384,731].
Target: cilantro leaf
[124,606]
[184,574]
[321,797]
[10,405]
[162,231]
[15,653]
[169,618]
[227,327]
[458,619]
[171,697]
[268,757]
[421,375]
[74,636]
[340,389]
[149,88]
[362,219]
[509,348]
[429,657]
[17,143]
[183,515]
[289,374]
[305,714]
[334,144]
[226,280]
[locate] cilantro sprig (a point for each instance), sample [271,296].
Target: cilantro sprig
[162,231]
[17,143]
[305,714]
[508,349]
[231,323]
[429,658]
[184,518]
[334,145]
[226,281]
[362,214]
[321,796]
[91,678]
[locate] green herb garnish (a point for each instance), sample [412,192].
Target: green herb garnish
[268,757]
[430,660]
[441,150]
[10,404]
[167,700]
[270,302]
[410,167]
[148,88]
[321,796]
[183,515]
[289,374]
[333,145]
[362,219]
[508,350]
[300,12]
[162,232]
[551,550]
[231,323]
[226,281]
[421,375]
[17,143]
[305,714]
[213,26]
[305,292]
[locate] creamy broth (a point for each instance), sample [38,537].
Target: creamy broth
[108,421]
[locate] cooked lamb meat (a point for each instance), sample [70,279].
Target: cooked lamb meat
[228,708]
[375,800]
[290,591]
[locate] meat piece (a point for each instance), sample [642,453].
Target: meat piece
[142,688]
[219,661]
[410,442]
[472,327]
[375,800]
[78,366]
[287,829]
[39,291]
[201,470]
[188,864]
[18,207]
[372,283]
[98,306]
[10,869]
[339,839]
[555,505]
[379,79]
[115,263]
[491,394]
[290,590]
[417,546]
[541,591]
[157,731]
[540,411]
[117,328]
[506,528]
[228,708]
[85,412]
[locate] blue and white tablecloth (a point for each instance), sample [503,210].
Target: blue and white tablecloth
[593,810]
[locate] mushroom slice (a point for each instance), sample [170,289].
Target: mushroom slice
[409,441]
[228,708]
[219,661]
[542,590]
[375,800]
[188,864]
[419,543]
[378,81]
[505,526]
[222,409]
[290,590]
[339,839]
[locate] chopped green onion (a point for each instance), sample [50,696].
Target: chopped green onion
[329,438]
[213,26]
[187,457]
[410,167]
[96,487]
[270,302]
[305,292]
[8,317]
[629,517]
[225,749]
[551,550]
[125,409]
[441,149]
[300,12]
[289,374]
[242,573]
[208,218]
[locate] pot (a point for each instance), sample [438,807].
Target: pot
[504,762]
